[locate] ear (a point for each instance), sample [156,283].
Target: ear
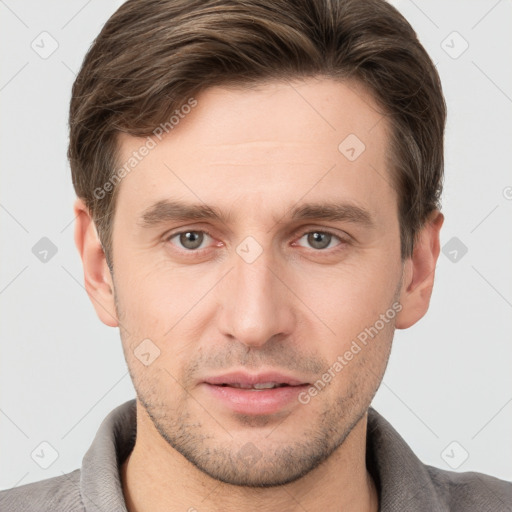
[419,271]
[97,277]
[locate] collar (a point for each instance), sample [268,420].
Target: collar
[402,480]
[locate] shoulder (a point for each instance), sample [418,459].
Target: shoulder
[470,491]
[60,493]
[406,483]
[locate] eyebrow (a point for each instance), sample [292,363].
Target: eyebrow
[168,211]
[334,212]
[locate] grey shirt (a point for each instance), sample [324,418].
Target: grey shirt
[404,483]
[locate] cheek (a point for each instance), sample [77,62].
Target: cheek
[162,302]
[358,359]
[348,298]
[159,298]
[147,285]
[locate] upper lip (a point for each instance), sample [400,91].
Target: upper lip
[249,379]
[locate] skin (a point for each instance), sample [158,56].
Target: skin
[255,154]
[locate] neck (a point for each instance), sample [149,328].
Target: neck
[156,478]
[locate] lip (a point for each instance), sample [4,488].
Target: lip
[253,401]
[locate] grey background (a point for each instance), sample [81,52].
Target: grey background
[447,389]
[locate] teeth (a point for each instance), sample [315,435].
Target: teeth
[259,385]
[265,385]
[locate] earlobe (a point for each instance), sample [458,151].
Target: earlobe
[419,272]
[97,278]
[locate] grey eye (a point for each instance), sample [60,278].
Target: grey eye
[190,239]
[319,239]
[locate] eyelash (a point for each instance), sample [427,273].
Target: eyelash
[198,252]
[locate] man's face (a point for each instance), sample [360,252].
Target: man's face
[272,291]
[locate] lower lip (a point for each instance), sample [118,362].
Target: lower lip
[250,401]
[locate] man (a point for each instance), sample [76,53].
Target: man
[258,204]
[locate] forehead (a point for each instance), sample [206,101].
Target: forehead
[270,145]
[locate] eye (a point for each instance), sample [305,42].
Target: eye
[320,239]
[189,240]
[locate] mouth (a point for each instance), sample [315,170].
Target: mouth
[255,387]
[257,381]
[253,394]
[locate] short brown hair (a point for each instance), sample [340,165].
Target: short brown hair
[153,55]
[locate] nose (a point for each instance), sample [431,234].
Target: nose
[256,305]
